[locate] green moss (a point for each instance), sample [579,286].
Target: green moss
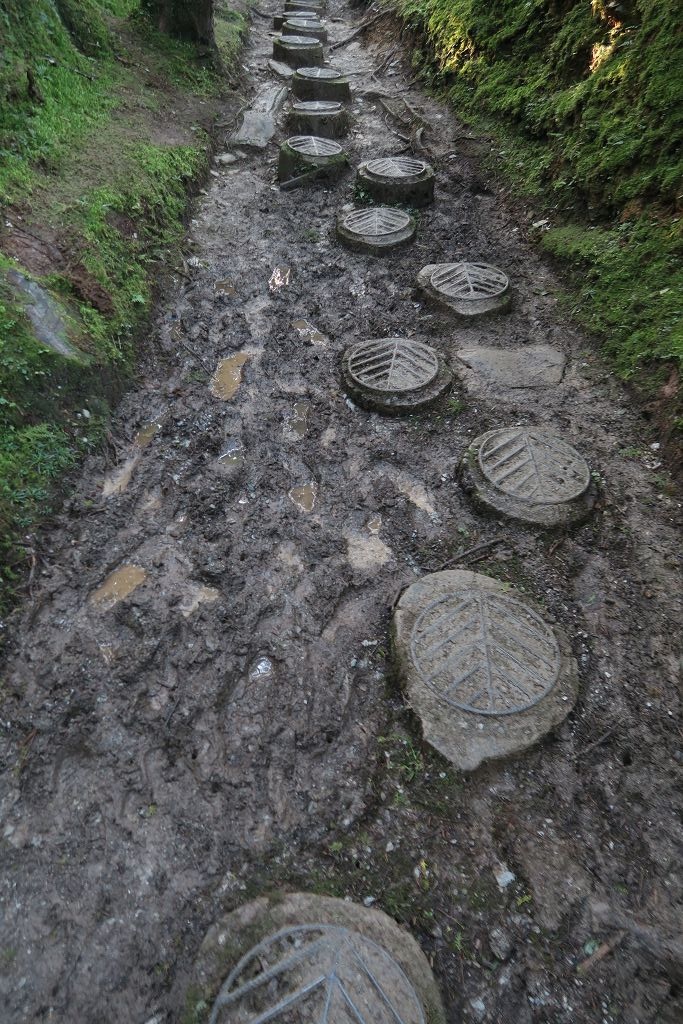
[586,109]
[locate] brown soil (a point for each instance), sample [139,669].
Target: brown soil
[232,724]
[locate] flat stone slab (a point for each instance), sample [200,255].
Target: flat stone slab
[487,677]
[311,959]
[536,366]
[468,289]
[394,375]
[375,229]
[281,70]
[398,179]
[47,316]
[257,130]
[530,474]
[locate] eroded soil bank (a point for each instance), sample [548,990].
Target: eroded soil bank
[219,716]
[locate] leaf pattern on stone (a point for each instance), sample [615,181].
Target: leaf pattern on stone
[317,974]
[298,41]
[393,364]
[396,167]
[317,107]
[328,73]
[484,653]
[379,220]
[533,466]
[469,280]
[311,145]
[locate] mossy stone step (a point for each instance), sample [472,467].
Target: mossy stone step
[468,289]
[324,118]
[396,376]
[280,19]
[375,229]
[298,50]
[304,155]
[398,179]
[318,83]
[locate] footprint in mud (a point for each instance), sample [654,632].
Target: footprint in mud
[118,586]
[228,376]
[117,481]
[296,426]
[309,333]
[233,453]
[367,552]
[304,497]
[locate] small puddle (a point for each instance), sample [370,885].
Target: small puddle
[297,423]
[225,287]
[117,586]
[280,278]
[309,333]
[198,595]
[374,524]
[261,668]
[147,433]
[228,376]
[117,481]
[304,497]
[233,453]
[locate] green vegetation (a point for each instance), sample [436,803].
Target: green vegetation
[586,104]
[96,210]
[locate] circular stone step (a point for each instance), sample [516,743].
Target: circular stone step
[304,153]
[305,27]
[375,229]
[297,50]
[321,84]
[325,118]
[295,6]
[482,670]
[294,956]
[394,375]
[529,474]
[398,179]
[468,289]
[280,19]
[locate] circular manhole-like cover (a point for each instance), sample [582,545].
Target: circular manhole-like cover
[315,974]
[485,653]
[393,364]
[533,466]
[316,107]
[396,167]
[311,145]
[326,73]
[471,281]
[299,41]
[376,222]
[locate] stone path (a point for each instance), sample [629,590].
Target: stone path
[198,702]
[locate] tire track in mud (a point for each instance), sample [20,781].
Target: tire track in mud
[227,712]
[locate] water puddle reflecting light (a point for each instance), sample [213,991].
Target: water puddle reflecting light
[228,376]
[117,586]
[297,423]
[280,278]
[309,333]
[304,497]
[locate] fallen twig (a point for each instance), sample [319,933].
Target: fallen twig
[598,743]
[362,28]
[600,953]
[472,551]
[668,951]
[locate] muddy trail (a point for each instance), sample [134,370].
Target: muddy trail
[198,701]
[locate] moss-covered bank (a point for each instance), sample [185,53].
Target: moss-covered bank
[585,101]
[104,134]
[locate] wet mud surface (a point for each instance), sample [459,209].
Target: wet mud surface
[198,701]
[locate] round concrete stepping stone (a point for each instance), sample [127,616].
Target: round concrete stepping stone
[484,673]
[375,229]
[305,27]
[311,959]
[324,118]
[394,375]
[468,289]
[321,84]
[297,50]
[280,19]
[530,474]
[307,153]
[304,5]
[398,179]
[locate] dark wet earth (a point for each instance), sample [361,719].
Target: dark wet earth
[198,701]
